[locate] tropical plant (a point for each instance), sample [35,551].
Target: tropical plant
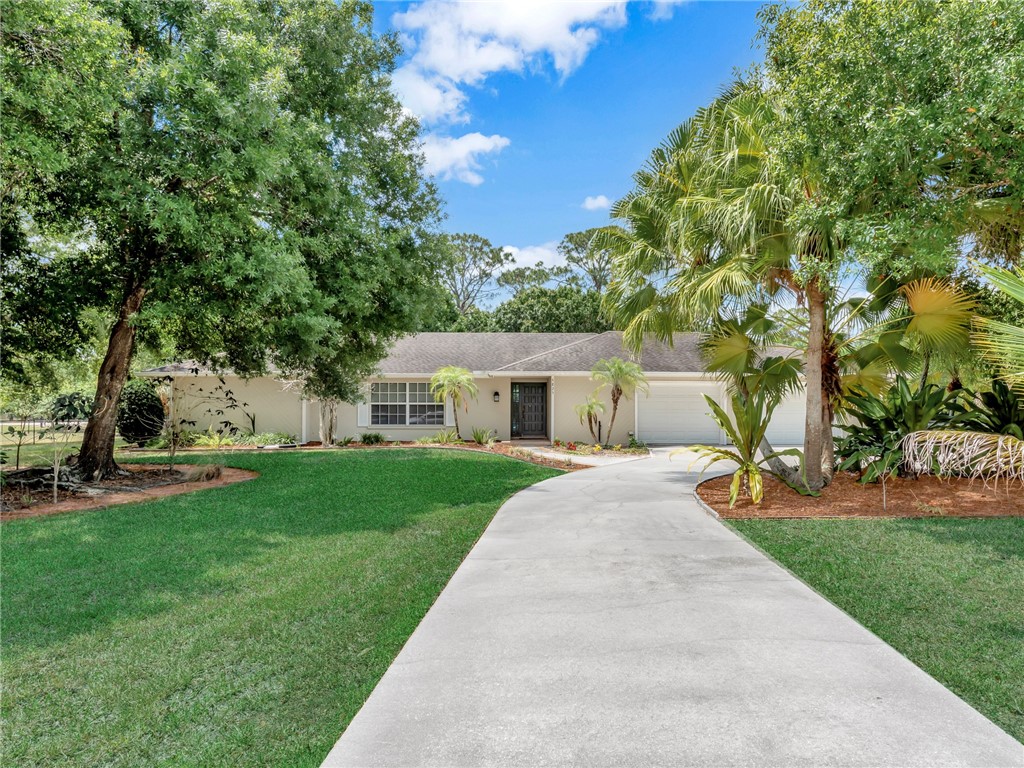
[456,384]
[482,436]
[589,411]
[1003,343]
[623,378]
[446,437]
[346,441]
[214,438]
[264,438]
[997,412]
[752,413]
[988,457]
[878,425]
[372,438]
[140,413]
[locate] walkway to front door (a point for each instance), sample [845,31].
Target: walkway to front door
[529,409]
[604,619]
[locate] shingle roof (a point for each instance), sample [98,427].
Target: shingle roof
[535,352]
[424,353]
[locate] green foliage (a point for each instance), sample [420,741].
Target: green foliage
[878,425]
[565,309]
[264,438]
[184,438]
[242,170]
[589,411]
[911,115]
[346,441]
[443,437]
[214,438]
[1002,342]
[581,251]
[372,438]
[999,412]
[140,414]
[752,414]
[467,265]
[473,321]
[483,436]
[456,384]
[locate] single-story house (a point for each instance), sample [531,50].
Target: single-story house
[529,385]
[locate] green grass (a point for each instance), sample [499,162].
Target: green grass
[948,594]
[237,626]
[40,454]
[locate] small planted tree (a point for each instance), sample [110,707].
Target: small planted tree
[589,411]
[623,378]
[455,384]
[65,417]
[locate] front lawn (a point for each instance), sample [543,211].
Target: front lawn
[238,626]
[945,593]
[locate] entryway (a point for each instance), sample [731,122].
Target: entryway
[529,418]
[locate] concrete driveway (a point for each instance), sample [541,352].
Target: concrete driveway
[603,619]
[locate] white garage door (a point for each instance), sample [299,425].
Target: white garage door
[676,413]
[787,424]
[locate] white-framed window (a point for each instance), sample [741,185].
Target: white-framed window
[398,403]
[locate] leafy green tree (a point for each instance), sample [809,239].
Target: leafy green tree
[474,321]
[140,413]
[243,179]
[623,378]
[916,105]
[469,268]
[519,279]
[583,253]
[565,309]
[456,384]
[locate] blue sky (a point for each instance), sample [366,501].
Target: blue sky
[531,108]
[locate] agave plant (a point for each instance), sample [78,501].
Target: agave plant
[752,412]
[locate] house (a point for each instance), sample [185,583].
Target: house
[529,386]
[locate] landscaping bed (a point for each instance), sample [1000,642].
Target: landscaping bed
[926,496]
[139,482]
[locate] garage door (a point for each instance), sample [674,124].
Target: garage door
[787,424]
[676,413]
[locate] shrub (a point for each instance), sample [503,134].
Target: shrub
[999,412]
[346,441]
[872,443]
[265,438]
[140,414]
[187,438]
[483,436]
[372,438]
[213,439]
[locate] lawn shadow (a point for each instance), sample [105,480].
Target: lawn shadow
[1000,536]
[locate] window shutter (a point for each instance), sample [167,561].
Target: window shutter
[449,413]
[363,415]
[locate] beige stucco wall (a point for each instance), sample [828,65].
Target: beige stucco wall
[276,409]
[570,391]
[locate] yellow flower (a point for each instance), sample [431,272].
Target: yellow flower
[597,448]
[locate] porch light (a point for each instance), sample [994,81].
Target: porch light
[497,397]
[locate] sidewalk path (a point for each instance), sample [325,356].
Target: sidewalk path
[603,619]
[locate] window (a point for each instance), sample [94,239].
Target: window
[399,404]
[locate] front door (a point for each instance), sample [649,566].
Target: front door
[529,409]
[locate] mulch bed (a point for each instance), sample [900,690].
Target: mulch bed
[141,483]
[926,496]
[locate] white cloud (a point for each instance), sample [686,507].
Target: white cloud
[596,203]
[459,157]
[457,44]
[663,9]
[529,255]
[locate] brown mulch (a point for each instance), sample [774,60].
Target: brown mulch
[926,496]
[142,483]
[510,450]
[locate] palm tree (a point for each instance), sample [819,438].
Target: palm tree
[623,378]
[588,412]
[1001,343]
[456,384]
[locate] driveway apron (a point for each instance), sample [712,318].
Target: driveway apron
[604,619]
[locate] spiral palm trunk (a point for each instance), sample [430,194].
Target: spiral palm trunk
[96,458]
[616,394]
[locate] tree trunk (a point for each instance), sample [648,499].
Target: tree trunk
[812,371]
[828,443]
[615,410]
[926,365]
[778,467]
[455,413]
[96,460]
[328,421]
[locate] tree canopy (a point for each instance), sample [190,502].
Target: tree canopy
[239,175]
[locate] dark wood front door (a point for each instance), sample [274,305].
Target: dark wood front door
[529,410]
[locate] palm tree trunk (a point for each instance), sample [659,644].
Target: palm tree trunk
[615,410]
[455,413]
[924,369]
[778,467]
[813,453]
[96,458]
[828,444]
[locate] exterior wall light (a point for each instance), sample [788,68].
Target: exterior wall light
[497,397]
